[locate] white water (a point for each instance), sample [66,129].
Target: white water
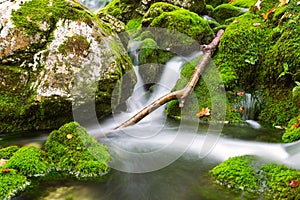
[153,143]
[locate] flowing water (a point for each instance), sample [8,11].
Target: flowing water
[161,158]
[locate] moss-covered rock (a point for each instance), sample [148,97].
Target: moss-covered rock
[6,153]
[225,11]
[47,48]
[292,132]
[215,3]
[257,53]
[125,10]
[249,173]
[164,15]
[11,183]
[28,161]
[72,150]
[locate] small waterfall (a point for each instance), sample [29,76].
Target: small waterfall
[251,105]
[94,5]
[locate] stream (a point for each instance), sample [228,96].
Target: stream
[161,158]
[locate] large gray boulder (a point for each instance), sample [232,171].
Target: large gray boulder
[53,53]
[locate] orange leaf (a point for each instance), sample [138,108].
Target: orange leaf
[203,112]
[231,1]
[294,126]
[4,20]
[240,93]
[266,16]
[294,183]
[283,2]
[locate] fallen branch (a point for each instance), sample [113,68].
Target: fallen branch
[179,94]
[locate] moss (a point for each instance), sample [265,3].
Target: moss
[171,17]
[236,172]
[11,183]
[72,150]
[292,132]
[249,173]
[32,14]
[215,3]
[28,161]
[244,3]
[6,153]
[278,107]
[134,24]
[226,11]
[77,45]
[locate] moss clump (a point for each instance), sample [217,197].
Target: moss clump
[236,172]
[215,3]
[292,132]
[72,150]
[8,152]
[11,183]
[77,45]
[28,161]
[226,11]
[251,174]
[244,3]
[171,17]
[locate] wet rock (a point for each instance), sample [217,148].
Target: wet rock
[52,54]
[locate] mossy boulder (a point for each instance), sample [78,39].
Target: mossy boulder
[48,47]
[215,3]
[11,183]
[257,53]
[226,11]
[125,10]
[72,150]
[292,132]
[6,153]
[28,161]
[252,174]
[171,17]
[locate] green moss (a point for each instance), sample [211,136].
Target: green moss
[236,172]
[28,161]
[171,17]
[215,3]
[11,183]
[134,24]
[226,11]
[6,153]
[292,132]
[244,3]
[249,173]
[279,107]
[77,45]
[72,150]
[32,14]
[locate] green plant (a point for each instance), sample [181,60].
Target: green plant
[28,161]
[8,152]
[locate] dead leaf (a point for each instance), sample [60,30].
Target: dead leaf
[235,21]
[256,24]
[266,16]
[257,4]
[204,112]
[4,20]
[69,136]
[283,2]
[240,93]
[294,183]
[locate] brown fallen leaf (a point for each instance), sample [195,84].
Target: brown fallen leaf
[294,183]
[4,20]
[266,15]
[231,1]
[204,112]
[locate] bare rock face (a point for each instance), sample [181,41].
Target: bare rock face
[53,53]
